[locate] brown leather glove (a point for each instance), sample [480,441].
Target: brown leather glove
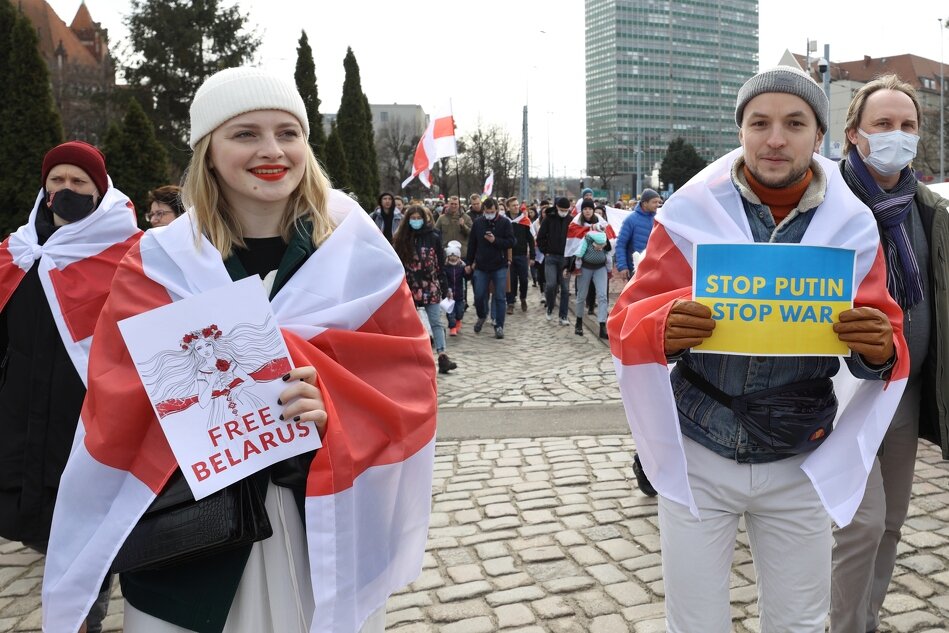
[868,332]
[688,324]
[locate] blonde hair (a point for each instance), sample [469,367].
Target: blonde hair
[884,82]
[215,220]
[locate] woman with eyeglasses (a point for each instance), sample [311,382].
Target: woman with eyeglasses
[164,205]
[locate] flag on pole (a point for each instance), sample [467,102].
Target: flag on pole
[488,186]
[438,141]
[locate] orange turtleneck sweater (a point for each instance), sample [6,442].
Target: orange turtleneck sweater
[780,201]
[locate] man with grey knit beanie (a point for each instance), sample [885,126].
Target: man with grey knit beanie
[725,437]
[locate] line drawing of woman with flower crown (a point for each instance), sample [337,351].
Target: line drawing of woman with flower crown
[213,370]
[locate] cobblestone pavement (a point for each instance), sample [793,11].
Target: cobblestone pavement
[542,534]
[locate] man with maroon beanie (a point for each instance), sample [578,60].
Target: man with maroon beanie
[55,273]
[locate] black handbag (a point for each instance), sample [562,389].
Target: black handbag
[176,529]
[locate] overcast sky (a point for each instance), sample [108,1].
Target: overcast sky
[490,57]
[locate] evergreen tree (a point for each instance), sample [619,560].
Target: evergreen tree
[30,123]
[305,77]
[336,164]
[176,45]
[680,163]
[137,161]
[355,131]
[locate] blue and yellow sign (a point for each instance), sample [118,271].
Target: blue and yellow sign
[774,299]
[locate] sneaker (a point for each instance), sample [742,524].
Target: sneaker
[510,308]
[550,315]
[499,332]
[543,301]
[453,331]
[564,321]
[641,478]
[578,330]
[523,305]
[478,325]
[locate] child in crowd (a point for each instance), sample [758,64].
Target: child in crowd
[455,271]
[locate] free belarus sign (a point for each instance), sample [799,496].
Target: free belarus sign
[773,299]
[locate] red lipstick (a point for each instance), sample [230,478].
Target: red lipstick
[270,173]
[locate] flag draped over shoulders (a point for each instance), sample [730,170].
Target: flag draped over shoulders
[348,313]
[709,210]
[76,265]
[577,230]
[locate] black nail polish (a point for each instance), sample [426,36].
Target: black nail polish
[286,377]
[280,402]
[281,416]
[296,419]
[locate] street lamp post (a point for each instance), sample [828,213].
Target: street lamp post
[827,93]
[942,107]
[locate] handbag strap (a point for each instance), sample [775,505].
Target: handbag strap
[739,404]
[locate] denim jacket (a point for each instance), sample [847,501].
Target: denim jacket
[702,418]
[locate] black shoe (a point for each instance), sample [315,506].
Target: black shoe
[444,364]
[603,333]
[478,325]
[641,478]
[578,330]
[498,332]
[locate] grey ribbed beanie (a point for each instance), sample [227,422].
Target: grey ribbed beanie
[234,91]
[784,79]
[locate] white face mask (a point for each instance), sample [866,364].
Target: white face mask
[563,214]
[490,216]
[890,152]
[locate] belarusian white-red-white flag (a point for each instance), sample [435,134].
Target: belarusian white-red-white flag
[488,186]
[368,493]
[438,141]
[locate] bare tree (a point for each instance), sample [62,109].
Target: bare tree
[395,147]
[488,149]
[604,165]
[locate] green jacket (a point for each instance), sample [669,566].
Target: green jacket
[934,406]
[198,595]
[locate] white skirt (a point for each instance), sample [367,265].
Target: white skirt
[275,594]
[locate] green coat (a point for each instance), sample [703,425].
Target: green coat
[934,405]
[198,595]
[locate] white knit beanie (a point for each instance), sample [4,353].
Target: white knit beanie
[234,91]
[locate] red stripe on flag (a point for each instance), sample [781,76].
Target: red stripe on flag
[83,286]
[637,322]
[872,292]
[524,221]
[444,126]
[381,404]
[121,428]
[610,233]
[575,230]
[10,274]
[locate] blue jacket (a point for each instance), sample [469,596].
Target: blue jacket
[633,237]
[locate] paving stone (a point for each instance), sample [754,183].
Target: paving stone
[619,549]
[569,585]
[491,550]
[405,601]
[607,574]
[587,555]
[511,596]
[552,607]
[649,611]
[511,615]
[460,574]
[627,594]
[395,618]
[912,621]
[455,611]
[464,591]
[481,624]
[541,554]
[613,623]
[901,603]
[594,603]
[512,581]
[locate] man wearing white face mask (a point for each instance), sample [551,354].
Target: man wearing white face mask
[882,131]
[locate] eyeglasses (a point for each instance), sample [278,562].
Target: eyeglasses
[156,215]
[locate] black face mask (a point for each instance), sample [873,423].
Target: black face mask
[70,206]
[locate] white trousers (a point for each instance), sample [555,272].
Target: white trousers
[790,537]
